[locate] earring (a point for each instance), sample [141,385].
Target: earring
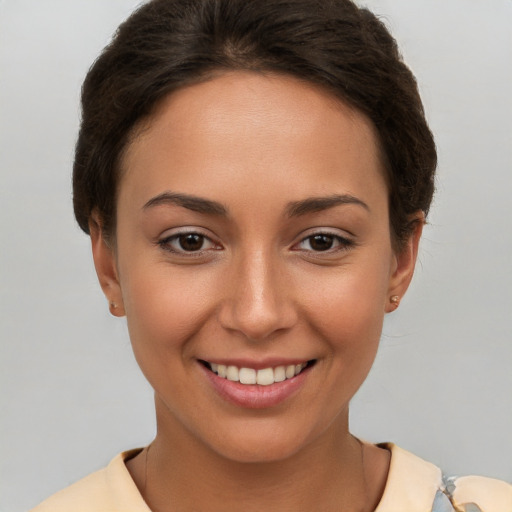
[116,309]
[395,300]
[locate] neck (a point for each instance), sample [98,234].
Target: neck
[334,472]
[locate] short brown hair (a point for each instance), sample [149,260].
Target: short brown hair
[168,44]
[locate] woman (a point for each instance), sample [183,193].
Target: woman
[255,177]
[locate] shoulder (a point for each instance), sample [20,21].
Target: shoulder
[110,489]
[417,485]
[478,493]
[89,493]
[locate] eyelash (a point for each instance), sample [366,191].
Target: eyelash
[341,243]
[166,242]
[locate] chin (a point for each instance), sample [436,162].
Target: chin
[261,453]
[260,444]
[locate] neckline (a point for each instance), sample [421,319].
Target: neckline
[411,483]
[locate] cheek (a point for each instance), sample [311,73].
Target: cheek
[348,311]
[165,307]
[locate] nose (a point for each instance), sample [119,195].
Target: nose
[258,302]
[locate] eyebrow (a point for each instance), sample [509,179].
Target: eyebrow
[194,203]
[318,204]
[294,209]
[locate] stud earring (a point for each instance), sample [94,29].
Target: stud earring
[395,300]
[113,305]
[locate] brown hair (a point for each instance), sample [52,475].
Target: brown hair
[168,44]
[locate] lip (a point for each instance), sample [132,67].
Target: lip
[253,396]
[256,364]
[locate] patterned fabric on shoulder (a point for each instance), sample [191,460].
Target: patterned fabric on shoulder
[473,494]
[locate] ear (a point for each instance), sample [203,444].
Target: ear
[106,267]
[404,264]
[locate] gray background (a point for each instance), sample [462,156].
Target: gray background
[71,393]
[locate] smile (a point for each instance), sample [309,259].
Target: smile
[251,376]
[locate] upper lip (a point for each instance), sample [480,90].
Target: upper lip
[256,364]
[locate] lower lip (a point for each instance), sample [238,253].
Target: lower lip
[253,396]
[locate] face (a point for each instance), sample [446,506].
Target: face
[253,240]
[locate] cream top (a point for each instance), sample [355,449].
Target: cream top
[413,485]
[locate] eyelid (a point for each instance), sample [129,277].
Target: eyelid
[173,234]
[184,230]
[345,240]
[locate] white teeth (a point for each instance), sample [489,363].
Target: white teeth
[279,374]
[232,373]
[264,377]
[290,371]
[247,376]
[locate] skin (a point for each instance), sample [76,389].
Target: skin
[259,288]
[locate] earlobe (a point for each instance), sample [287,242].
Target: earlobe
[106,268]
[405,262]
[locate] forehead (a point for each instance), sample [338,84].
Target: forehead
[251,130]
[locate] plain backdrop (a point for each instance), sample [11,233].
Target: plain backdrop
[71,394]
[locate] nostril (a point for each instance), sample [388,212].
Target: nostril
[255,302]
[257,320]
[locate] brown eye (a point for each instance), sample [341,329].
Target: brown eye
[324,242]
[187,242]
[321,242]
[191,242]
